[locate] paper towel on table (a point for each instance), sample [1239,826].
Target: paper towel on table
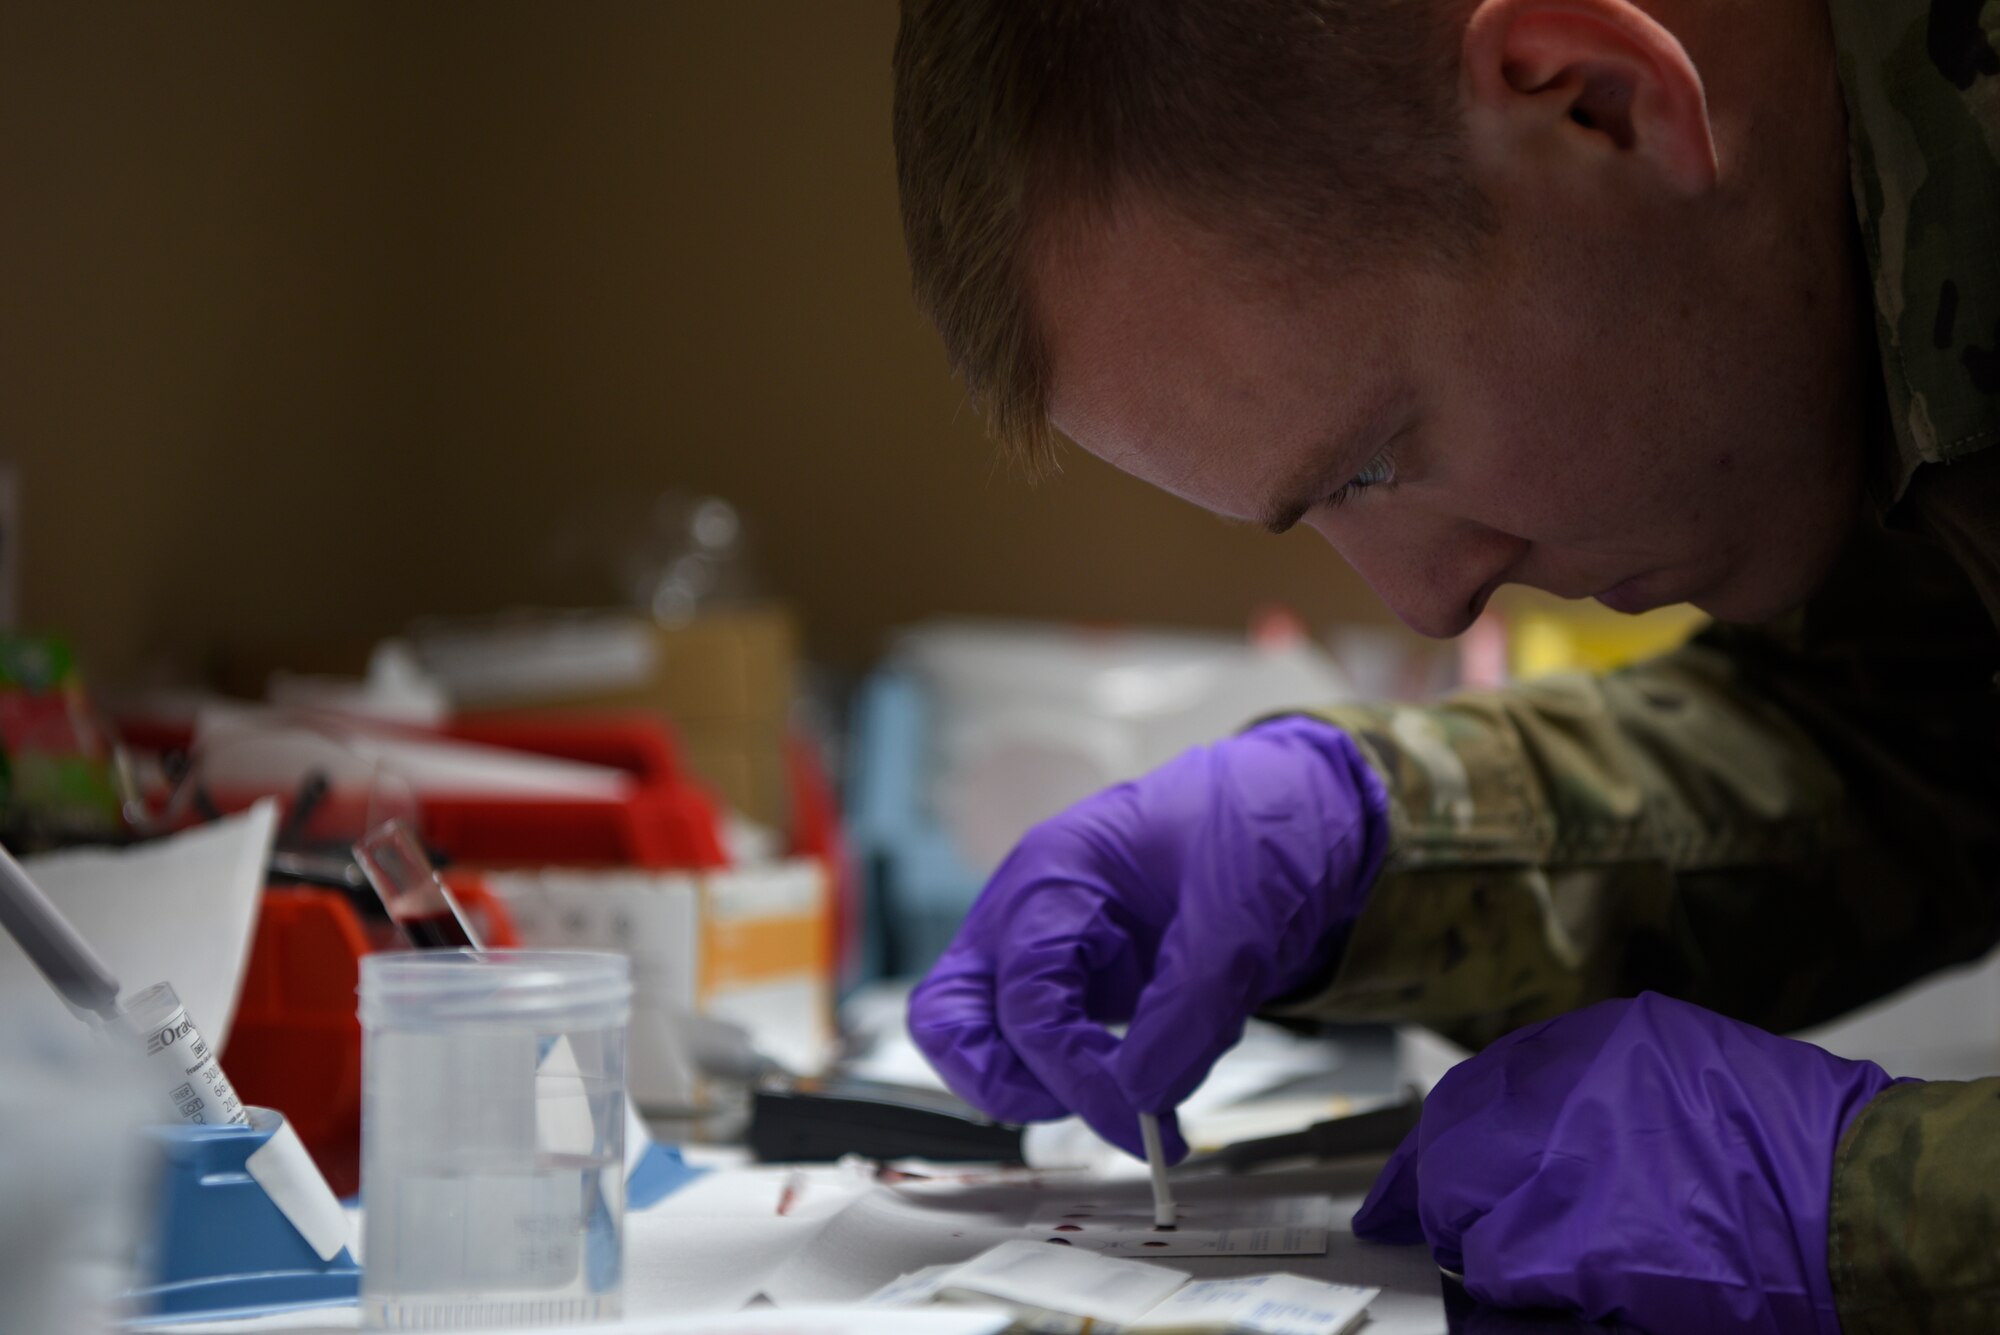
[295,1185]
[178,910]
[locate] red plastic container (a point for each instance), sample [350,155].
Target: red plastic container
[666,821]
[296,1044]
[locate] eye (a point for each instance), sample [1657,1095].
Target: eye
[1377,472]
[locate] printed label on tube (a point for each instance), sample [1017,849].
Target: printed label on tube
[195,1086]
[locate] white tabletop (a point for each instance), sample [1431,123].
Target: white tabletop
[719,1243]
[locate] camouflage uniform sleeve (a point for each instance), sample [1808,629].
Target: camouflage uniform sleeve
[1915,1212]
[1922,86]
[1779,825]
[1916,1194]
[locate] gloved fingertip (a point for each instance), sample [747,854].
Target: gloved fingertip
[977,1066]
[1172,1045]
[1389,1215]
[1128,1144]
[1015,1106]
[1389,1225]
[1172,1142]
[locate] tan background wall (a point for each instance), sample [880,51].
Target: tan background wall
[314,317]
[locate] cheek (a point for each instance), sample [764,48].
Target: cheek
[1555,450]
[1507,463]
[1546,422]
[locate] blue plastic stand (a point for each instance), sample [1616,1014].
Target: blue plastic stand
[220,1246]
[919,885]
[660,1172]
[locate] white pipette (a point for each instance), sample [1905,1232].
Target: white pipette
[191,1085]
[73,969]
[1156,1160]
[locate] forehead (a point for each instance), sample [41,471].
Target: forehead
[1216,377]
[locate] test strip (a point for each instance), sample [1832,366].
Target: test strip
[1156,1161]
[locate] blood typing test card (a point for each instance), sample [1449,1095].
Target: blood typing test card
[1273,1226]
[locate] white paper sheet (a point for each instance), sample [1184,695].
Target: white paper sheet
[885,1232]
[758,1321]
[912,1290]
[1258,1305]
[176,910]
[819,1321]
[1043,1282]
[713,1245]
[1038,1278]
[717,1243]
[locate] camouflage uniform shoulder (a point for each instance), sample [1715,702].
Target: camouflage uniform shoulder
[1922,84]
[1914,1213]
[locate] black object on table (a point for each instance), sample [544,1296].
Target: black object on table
[1375,1132]
[818,1121]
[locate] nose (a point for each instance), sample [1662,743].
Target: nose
[1434,571]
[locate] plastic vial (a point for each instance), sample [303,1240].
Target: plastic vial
[492,1137]
[179,1062]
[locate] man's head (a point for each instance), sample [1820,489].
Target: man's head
[1485,291]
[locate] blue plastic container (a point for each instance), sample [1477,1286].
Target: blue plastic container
[220,1246]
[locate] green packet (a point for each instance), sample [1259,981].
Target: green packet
[57,782]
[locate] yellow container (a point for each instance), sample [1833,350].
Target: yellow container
[1546,634]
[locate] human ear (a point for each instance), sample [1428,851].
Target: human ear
[1600,79]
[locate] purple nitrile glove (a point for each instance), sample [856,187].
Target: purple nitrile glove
[1179,902]
[1643,1159]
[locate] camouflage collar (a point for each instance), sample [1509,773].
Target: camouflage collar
[1922,83]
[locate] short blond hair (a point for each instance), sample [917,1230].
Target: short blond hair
[1267,122]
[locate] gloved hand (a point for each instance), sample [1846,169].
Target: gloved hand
[1642,1159]
[1179,902]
